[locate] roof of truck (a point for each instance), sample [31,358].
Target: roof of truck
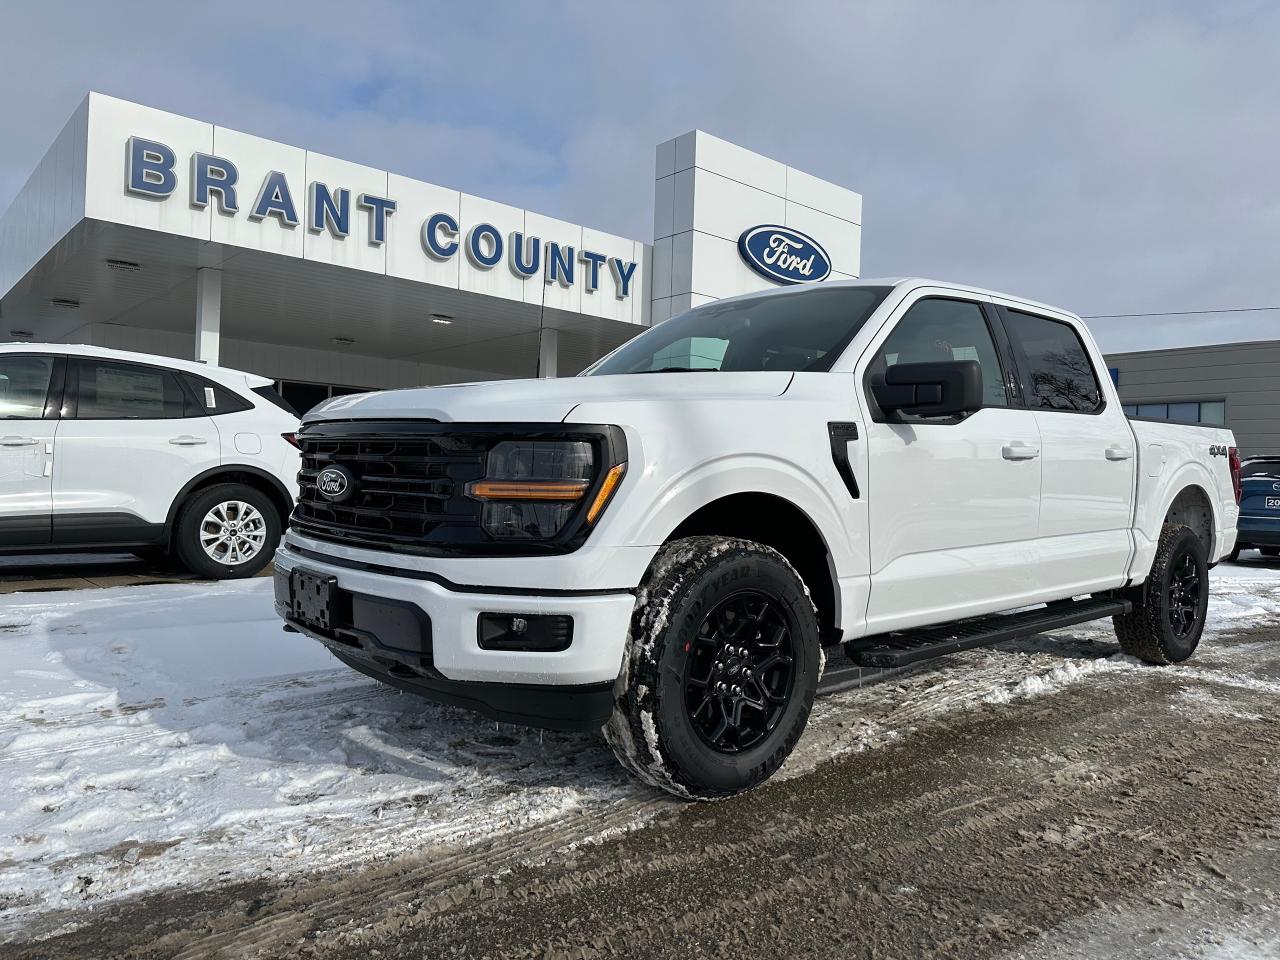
[910,283]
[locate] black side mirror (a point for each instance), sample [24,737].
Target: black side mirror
[940,389]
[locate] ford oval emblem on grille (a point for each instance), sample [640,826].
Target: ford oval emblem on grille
[784,255]
[336,483]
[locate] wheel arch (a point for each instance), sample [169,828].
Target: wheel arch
[232,473]
[778,523]
[1192,506]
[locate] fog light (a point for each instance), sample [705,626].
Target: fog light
[526,632]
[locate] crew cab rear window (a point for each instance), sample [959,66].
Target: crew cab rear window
[1057,373]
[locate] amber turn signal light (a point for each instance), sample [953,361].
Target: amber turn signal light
[611,481]
[528,490]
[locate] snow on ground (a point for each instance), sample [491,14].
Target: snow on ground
[175,735]
[170,734]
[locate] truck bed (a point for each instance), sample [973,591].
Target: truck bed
[1169,456]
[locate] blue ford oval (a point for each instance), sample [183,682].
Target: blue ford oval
[784,255]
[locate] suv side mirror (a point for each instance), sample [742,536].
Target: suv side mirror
[940,389]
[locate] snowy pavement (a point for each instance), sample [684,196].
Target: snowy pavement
[173,736]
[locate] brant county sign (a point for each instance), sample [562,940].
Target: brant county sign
[784,255]
[151,172]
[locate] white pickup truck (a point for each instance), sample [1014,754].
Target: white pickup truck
[664,545]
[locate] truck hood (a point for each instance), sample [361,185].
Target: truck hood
[544,400]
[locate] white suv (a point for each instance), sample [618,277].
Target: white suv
[104,449]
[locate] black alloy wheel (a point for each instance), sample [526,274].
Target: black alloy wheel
[1185,588]
[1170,608]
[739,673]
[721,667]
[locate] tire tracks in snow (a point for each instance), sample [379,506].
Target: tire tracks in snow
[134,716]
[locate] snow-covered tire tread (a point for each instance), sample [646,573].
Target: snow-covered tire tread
[631,731]
[1143,632]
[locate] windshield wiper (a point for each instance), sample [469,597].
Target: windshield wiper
[681,370]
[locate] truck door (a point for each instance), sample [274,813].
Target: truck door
[953,501]
[1089,456]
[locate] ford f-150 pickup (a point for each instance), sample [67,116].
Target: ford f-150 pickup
[664,546]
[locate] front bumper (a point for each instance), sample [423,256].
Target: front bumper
[565,689]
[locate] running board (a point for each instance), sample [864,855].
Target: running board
[900,649]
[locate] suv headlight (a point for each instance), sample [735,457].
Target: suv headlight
[531,488]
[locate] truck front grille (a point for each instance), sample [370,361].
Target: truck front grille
[407,490]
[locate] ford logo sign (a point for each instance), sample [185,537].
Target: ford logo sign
[335,483]
[784,255]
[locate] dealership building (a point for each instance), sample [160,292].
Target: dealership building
[144,230]
[1230,384]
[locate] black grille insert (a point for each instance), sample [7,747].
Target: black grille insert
[407,483]
[407,489]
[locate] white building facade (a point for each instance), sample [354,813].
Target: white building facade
[146,230]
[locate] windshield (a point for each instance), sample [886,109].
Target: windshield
[805,330]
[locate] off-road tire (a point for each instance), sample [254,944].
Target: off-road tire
[186,534]
[651,731]
[1146,632]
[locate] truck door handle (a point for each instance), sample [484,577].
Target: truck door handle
[13,441]
[1119,453]
[186,440]
[1018,450]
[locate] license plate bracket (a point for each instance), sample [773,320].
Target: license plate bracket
[311,597]
[1273,503]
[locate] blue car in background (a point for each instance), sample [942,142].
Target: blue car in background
[1259,524]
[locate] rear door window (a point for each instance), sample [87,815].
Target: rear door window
[1058,374]
[110,390]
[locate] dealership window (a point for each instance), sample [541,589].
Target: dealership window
[303,396]
[1209,412]
[1059,373]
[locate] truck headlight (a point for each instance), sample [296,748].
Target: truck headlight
[532,487]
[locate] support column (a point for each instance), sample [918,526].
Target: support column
[208,314]
[548,351]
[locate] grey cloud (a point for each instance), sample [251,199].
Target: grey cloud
[1107,157]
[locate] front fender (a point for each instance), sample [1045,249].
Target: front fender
[677,498]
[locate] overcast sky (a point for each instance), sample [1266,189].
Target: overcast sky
[1108,157]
